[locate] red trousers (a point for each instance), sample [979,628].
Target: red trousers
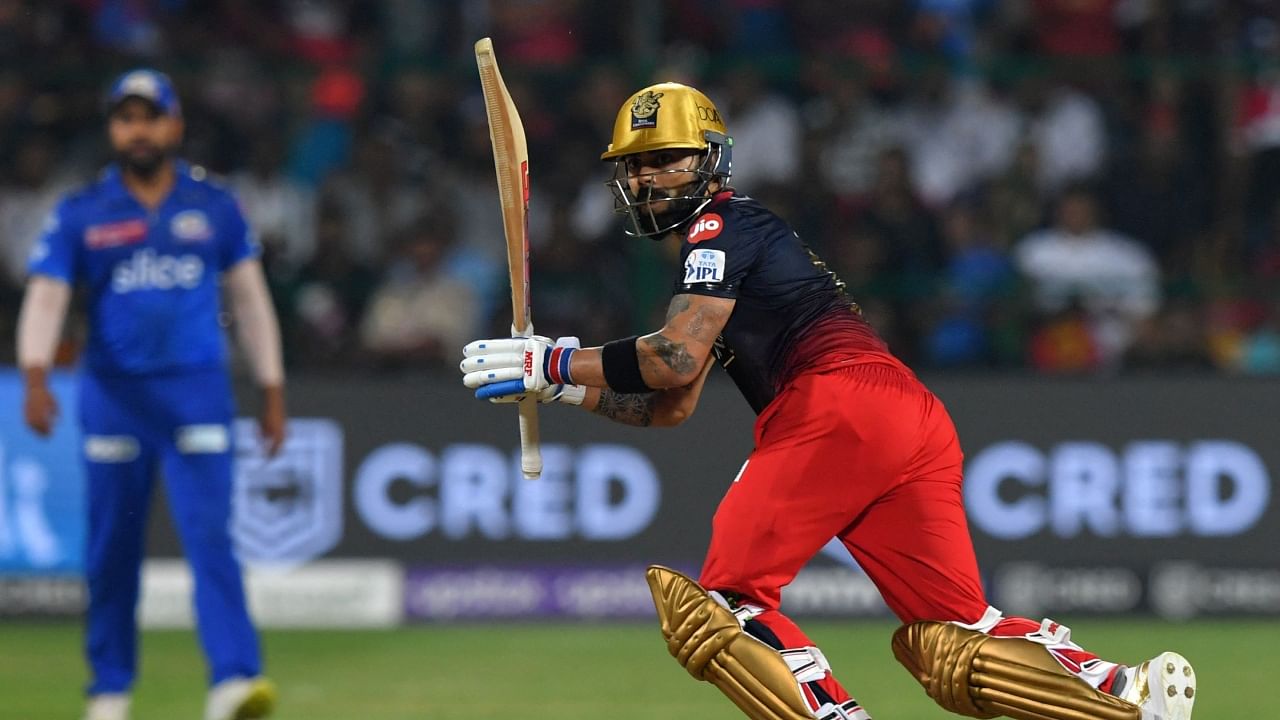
[866,454]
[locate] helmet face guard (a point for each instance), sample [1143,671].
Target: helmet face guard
[651,212]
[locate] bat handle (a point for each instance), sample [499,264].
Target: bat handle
[530,451]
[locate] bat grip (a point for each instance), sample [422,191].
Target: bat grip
[530,450]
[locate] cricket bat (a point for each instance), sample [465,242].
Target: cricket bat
[511,160]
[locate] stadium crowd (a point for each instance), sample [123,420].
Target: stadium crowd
[1063,186]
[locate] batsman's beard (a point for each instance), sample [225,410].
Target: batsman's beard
[656,212]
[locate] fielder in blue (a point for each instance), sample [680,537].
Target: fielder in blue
[153,242]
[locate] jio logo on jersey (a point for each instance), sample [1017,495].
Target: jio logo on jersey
[707,227]
[148,271]
[704,266]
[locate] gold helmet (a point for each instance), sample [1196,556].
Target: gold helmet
[668,116]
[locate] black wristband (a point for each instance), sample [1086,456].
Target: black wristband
[621,365]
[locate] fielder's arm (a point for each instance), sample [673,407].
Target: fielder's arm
[660,408]
[44,309]
[673,357]
[259,334]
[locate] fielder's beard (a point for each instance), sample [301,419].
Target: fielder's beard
[143,161]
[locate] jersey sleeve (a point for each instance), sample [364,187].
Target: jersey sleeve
[718,252]
[238,240]
[54,252]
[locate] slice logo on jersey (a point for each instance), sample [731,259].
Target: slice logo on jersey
[707,227]
[115,234]
[190,226]
[704,266]
[146,270]
[644,110]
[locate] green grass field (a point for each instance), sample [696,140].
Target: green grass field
[565,672]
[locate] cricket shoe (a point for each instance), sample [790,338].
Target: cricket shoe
[1164,687]
[107,706]
[240,699]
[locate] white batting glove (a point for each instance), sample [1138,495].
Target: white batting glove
[568,394]
[517,366]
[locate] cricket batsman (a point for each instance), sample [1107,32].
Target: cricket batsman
[152,242]
[848,444]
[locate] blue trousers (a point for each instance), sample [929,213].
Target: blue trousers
[177,424]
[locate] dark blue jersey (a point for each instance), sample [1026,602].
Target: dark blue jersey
[151,275]
[791,315]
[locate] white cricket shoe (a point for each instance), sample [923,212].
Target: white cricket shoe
[240,699]
[1164,687]
[107,706]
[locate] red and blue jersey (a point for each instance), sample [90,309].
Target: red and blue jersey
[151,276]
[790,316]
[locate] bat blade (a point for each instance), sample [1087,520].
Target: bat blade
[511,162]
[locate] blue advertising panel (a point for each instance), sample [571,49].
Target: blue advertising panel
[42,519]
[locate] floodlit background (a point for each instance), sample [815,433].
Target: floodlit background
[1065,214]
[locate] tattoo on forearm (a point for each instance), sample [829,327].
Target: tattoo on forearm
[698,324]
[673,354]
[679,304]
[627,408]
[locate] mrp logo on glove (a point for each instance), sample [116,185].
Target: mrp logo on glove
[704,266]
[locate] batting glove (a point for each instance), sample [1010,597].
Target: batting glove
[565,393]
[518,366]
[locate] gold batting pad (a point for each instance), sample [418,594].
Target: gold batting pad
[704,637]
[974,674]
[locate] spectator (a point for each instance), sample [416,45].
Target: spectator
[324,144]
[958,134]
[1114,279]
[1075,28]
[281,209]
[1174,339]
[419,313]
[897,215]
[766,130]
[1013,198]
[26,198]
[326,298]
[1068,131]
[976,277]
[850,130]
[375,199]
[1158,191]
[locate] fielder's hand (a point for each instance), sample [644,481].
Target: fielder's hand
[39,407]
[272,420]
[507,369]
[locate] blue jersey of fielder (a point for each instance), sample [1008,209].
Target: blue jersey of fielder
[155,394]
[151,275]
